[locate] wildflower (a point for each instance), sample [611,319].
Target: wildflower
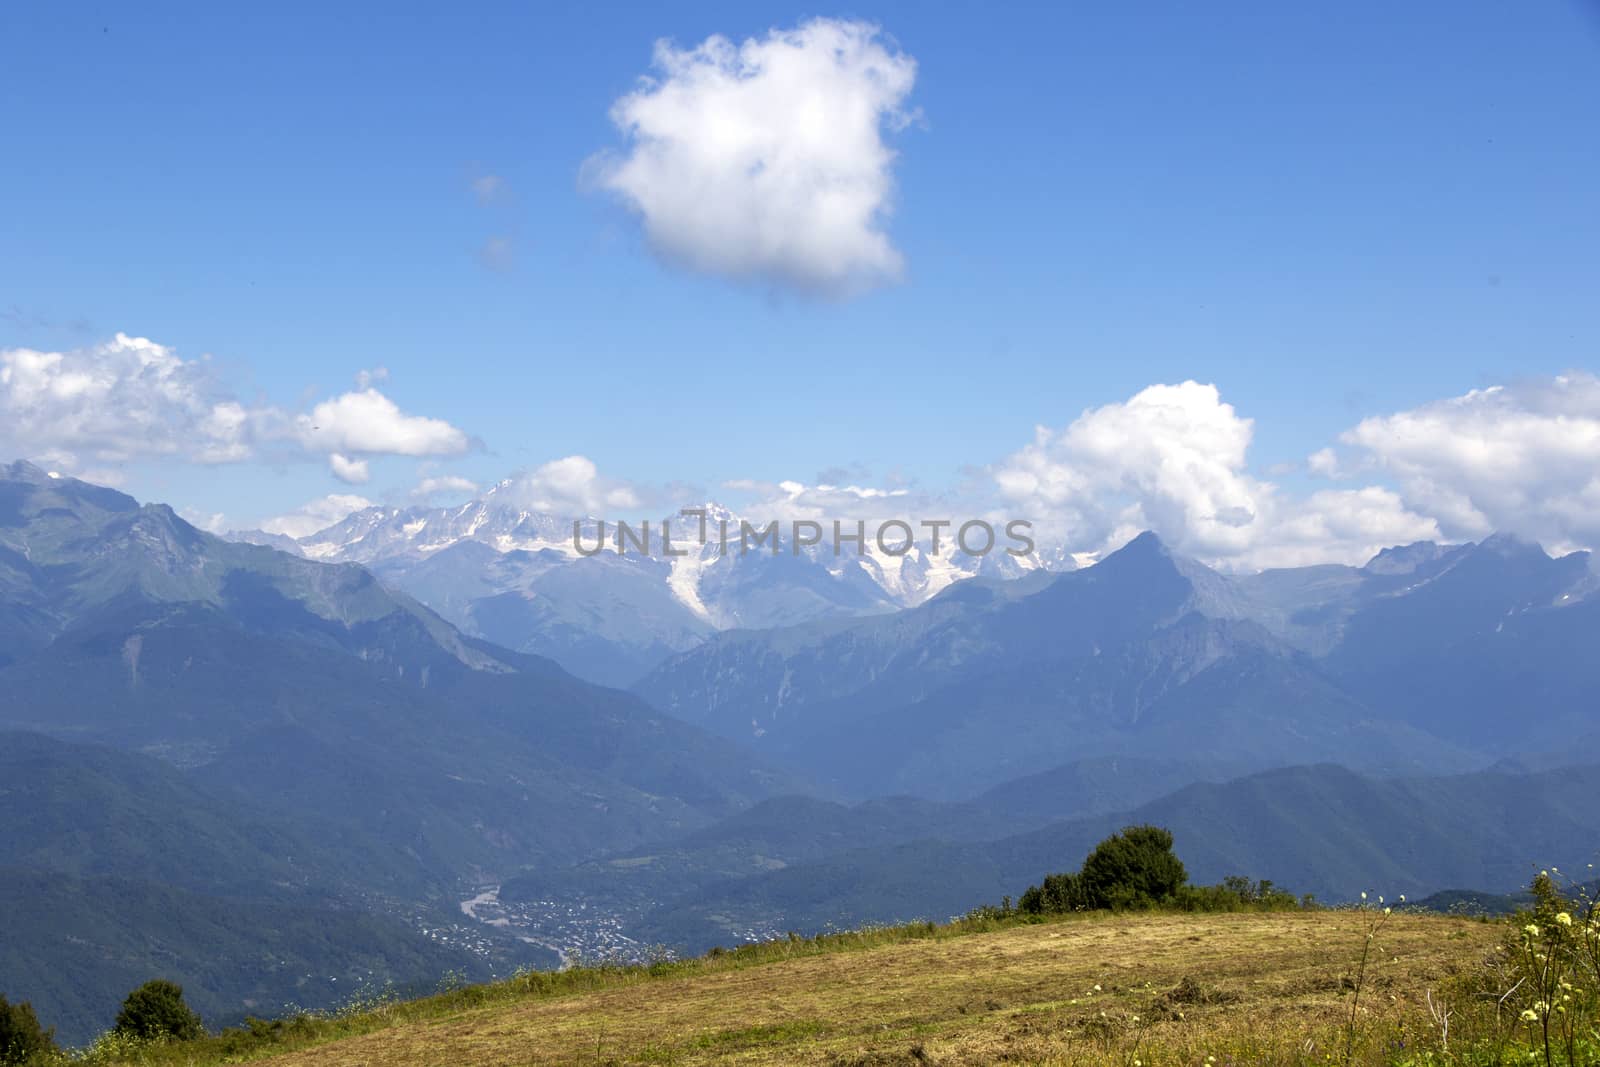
[1563,919]
[1530,1016]
[1386,910]
[1531,930]
[1363,894]
[1402,898]
[1097,987]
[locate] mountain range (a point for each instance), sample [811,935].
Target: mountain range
[325,743]
[272,770]
[1321,830]
[1429,659]
[518,578]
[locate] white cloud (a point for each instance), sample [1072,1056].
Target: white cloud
[124,399]
[349,471]
[767,159]
[1324,461]
[1336,526]
[1523,458]
[316,515]
[443,485]
[131,399]
[572,486]
[368,422]
[1173,458]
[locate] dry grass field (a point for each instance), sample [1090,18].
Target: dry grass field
[1118,989]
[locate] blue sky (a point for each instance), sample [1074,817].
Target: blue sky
[1331,212]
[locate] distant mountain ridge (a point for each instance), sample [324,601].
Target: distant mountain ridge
[1148,652]
[327,746]
[1321,830]
[330,700]
[516,577]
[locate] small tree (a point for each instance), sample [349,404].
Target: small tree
[157,1010]
[1135,868]
[21,1036]
[1057,893]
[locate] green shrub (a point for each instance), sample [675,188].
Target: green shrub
[1135,868]
[1235,894]
[157,1010]
[1057,893]
[21,1036]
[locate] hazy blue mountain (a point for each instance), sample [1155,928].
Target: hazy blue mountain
[117,867]
[1144,653]
[1322,830]
[606,618]
[1496,650]
[75,947]
[790,830]
[1098,786]
[319,691]
[95,811]
[772,835]
[332,755]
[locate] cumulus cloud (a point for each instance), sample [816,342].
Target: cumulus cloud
[572,486]
[316,515]
[116,401]
[131,399]
[443,485]
[1173,458]
[1522,457]
[368,422]
[349,471]
[767,159]
[1335,526]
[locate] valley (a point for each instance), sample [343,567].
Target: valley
[308,736]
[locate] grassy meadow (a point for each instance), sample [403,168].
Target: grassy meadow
[1135,988]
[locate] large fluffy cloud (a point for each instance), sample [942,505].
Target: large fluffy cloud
[130,398]
[767,159]
[1173,458]
[367,422]
[571,486]
[1523,458]
[112,402]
